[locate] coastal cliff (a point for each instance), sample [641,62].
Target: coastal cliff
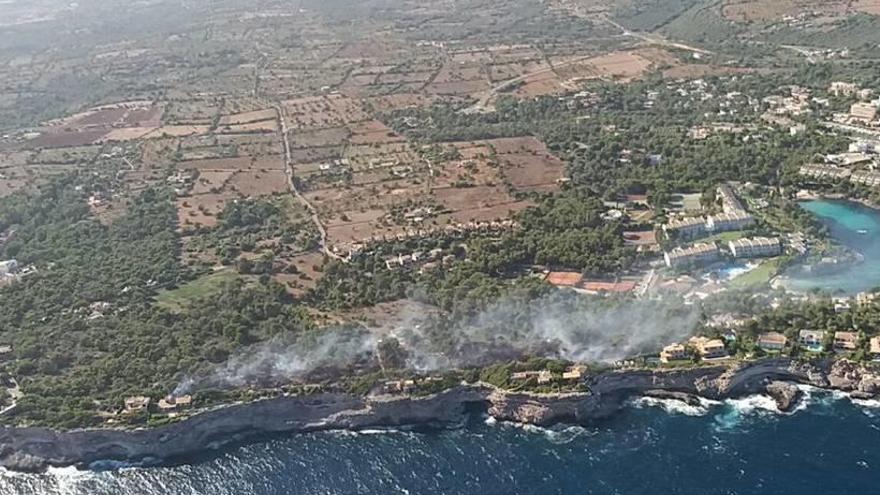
[34,449]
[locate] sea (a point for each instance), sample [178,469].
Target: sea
[829,445]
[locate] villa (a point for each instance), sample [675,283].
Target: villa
[574,373]
[136,404]
[875,347]
[172,403]
[772,341]
[846,341]
[673,352]
[543,376]
[812,340]
[709,348]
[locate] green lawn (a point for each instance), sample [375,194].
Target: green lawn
[760,275]
[177,299]
[725,237]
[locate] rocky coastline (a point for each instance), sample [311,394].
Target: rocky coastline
[35,449]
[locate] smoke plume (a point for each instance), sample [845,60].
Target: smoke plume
[560,325]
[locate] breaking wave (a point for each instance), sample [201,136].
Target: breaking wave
[673,406]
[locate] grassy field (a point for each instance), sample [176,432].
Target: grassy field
[760,275]
[177,299]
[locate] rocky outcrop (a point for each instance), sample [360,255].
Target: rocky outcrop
[786,395]
[34,449]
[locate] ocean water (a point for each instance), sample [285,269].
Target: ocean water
[844,220]
[745,446]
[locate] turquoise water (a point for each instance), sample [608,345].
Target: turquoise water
[844,220]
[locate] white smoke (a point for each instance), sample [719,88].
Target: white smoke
[282,360]
[567,326]
[560,325]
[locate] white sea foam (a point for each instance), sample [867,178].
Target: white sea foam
[378,431]
[753,404]
[491,421]
[735,411]
[557,435]
[674,406]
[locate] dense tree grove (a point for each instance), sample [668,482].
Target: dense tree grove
[85,328]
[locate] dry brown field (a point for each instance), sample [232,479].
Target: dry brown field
[258,183]
[211,180]
[770,10]
[323,111]
[319,137]
[239,163]
[201,210]
[248,117]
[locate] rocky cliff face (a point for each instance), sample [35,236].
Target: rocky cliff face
[31,449]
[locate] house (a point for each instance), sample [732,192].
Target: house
[673,352]
[699,253]
[846,341]
[772,341]
[136,404]
[709,348]
[841,304]
[875,347]
[8,266]
[863,298]
[5,352]
[756,247]
[864,112]
[574,373]
[172,403]
[813,340]
[400,386]
[544,376]
[840,88]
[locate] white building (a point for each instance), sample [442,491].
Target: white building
[840,88]
[864,112]
[8,266]
[865,177]
[698,254]
[821,170]
[686,227]
[726,222]
[756,247]
[729,202]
